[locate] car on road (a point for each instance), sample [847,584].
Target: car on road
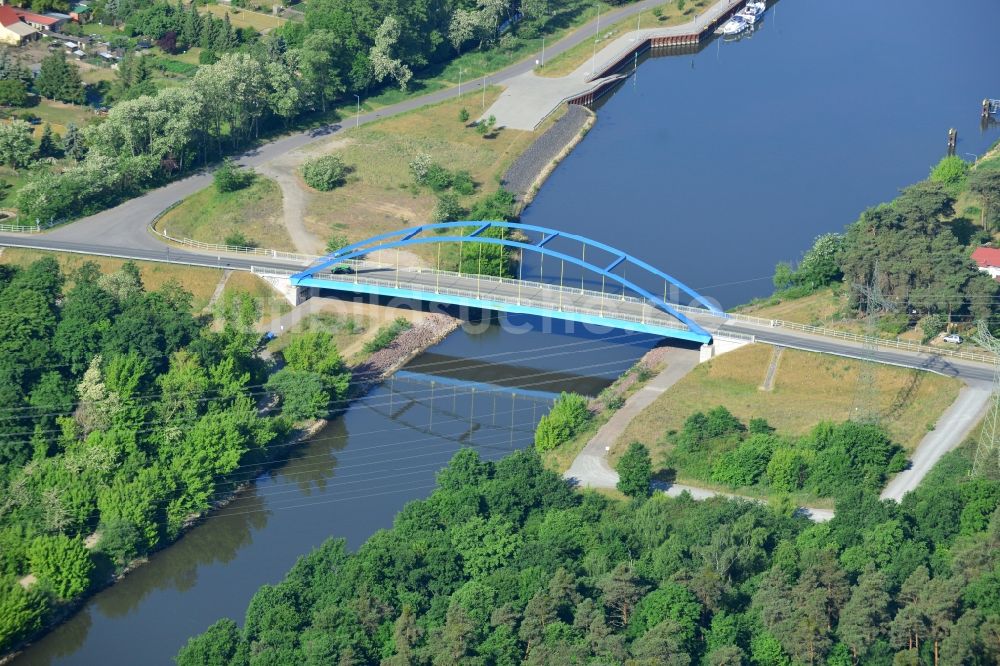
[953,339]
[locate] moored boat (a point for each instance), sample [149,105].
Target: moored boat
[734,26]
[753,12]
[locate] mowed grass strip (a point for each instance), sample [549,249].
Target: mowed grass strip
[244,18]
[567,61]
[211,216]
[808,388]
[201,282]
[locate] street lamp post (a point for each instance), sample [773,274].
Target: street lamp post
[543,50]
[484,91]
[460,70]
[597,36]
[357,117]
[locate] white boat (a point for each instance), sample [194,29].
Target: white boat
[734,26]
[753,12]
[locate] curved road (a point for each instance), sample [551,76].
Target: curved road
[122,231]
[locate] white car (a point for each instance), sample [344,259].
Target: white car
[953,338]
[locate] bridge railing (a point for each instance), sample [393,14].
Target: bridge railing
[654,318]
[902,345]
[305,259]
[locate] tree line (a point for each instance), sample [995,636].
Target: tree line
[505,564]
[122,417]
[258,85]
[916,249]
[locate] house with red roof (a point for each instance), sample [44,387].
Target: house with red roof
[39,21]
[988,260]
[14,31]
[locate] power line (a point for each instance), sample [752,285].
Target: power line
[987,447]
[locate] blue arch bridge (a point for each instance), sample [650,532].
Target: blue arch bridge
[607,287]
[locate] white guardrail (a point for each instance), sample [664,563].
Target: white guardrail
[305,259]
[36,228]
[902,345]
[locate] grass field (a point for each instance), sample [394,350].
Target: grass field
[59,115]
[201,282]
[808,388]
[380,195]
[569,60]
[243,18]
[817,309]
[211,216]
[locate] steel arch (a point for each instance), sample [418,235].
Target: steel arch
[407,237]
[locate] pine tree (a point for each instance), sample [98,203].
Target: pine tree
[47,145]
[863,620]
[208,34]
[225,38]
[58,79]
[72,144]
[191,27]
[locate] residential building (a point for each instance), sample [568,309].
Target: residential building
[43,22]
[988,260]
[13,31]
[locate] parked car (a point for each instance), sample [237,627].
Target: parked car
[953,338]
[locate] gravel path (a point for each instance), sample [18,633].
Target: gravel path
[523,173]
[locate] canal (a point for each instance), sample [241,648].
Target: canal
[713,166]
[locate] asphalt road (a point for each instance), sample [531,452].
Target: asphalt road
[124,228]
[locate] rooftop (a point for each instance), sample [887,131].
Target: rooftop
[987,257]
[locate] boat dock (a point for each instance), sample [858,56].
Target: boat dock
[529,98]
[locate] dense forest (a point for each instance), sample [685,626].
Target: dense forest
[506,564]
[915,248]
[122,417]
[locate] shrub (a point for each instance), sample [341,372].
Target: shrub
[207,57]
[568,416]
[335,242]
[237,239]
[386,335]
[894,324]
[463,115]
[933,325]
[324,173]
[448,209]
[437,177]
[746,464]
[419,167]
[230,177]
[950,171]
[63,565]
[462,183]
[635,471]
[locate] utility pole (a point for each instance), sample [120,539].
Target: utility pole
[866,397]
[986,450]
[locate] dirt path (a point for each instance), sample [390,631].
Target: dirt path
[294,193]
[591,468]
[950,430]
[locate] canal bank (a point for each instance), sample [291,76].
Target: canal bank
[428,330]
[712,187]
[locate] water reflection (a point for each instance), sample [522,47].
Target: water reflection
[347,481]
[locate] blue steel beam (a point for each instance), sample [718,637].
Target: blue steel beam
[340,254]
[608,321]
[300,279]
[615,263]
[546,239]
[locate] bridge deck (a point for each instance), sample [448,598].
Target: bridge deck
[507,295]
